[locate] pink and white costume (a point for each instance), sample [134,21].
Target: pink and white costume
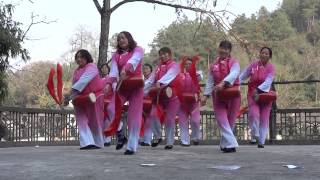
[261,77]
[131,63]
[166,74]
[189,111]
[227,70]
[89,116]
[108,114]
[152,123]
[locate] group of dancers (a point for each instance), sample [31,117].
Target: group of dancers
[156,97]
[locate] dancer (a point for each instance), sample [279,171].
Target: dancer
[261,73]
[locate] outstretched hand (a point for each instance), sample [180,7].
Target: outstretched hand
[65,100]
[220,86]
[255,95]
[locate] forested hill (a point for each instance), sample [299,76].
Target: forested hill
[292,31]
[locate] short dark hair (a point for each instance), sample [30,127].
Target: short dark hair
[225,45]
[131,41]
[165,50]
[84,54]
[105,64]
[189,59]
[148,65]
[269,49]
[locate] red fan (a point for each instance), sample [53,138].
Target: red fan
[141,134]
[242,111]
[112,129]
[160,113]
[50,86]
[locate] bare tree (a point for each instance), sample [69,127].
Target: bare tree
[83,38]
[202,7]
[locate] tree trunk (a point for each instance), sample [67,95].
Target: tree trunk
[104,33]
[104,39]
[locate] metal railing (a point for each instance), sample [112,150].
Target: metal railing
[49,126]
[56,126]
[38,125]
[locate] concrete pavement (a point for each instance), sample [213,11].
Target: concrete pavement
[181,163]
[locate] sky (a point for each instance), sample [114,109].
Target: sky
[143,20]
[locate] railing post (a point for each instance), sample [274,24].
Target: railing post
[273,121]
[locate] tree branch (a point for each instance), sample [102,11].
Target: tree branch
[198,28]
[34,23]
[177,6]
[96,3]
[201,20]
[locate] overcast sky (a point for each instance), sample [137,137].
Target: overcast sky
[141,19]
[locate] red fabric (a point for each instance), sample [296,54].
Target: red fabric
[160,113]
[112,129]
[142,126]
[147,104]
[105,115]
[59,82]
[242,111]
[50,85]
[183,62]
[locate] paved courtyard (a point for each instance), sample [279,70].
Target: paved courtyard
[181,163]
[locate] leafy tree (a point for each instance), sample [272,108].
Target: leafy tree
[11,39]
[188,38]
[302,14]
[28,86]
[313,37]
[280,27]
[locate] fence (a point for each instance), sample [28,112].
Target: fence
[54,127]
